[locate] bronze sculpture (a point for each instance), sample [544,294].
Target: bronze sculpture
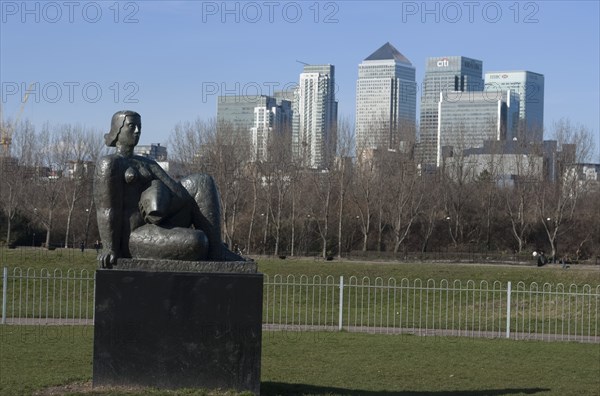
[143,213]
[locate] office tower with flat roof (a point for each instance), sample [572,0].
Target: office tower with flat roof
[530,87]
[237,111]
[315,117]
[271,129]
[254,119]
[443,74]
[386,100]
[467,119]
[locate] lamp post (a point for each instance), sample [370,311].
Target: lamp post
[35,210]
[87,226]
[553,241]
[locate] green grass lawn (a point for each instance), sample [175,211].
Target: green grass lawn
[35,359]
[46,359]
[66,259]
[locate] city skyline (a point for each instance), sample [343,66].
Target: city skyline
[83,75]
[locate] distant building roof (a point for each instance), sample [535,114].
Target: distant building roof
[388,51]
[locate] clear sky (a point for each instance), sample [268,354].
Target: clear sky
[169,60]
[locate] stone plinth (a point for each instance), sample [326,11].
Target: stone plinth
[238,267]
[178,329]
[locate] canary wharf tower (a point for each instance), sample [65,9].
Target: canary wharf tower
[386,101]
[443,74]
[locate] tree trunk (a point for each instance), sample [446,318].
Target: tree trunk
[68,231]
[293,225]
[340,225]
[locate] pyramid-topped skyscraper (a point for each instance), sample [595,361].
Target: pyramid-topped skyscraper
[386,52]
[386,100]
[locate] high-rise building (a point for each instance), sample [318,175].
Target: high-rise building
[153,151]
[274,119]
[443,74]
[386,100]
[530,87]
[467,119]
[254,118]
[237,111]
[315,117]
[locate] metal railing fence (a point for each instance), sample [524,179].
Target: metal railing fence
[422,307]
[445,308]
[45,297]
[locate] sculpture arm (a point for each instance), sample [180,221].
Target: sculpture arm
[108,197]
[180,196]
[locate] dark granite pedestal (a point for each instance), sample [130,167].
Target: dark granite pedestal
[180,329]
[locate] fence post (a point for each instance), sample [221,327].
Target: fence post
[508,292]
[4,287]
[341,302]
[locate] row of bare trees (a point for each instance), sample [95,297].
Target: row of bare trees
[367,201]
[47,185]
[382,201]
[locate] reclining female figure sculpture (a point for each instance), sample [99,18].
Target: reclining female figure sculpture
[143,213]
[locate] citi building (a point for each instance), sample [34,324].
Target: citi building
[443,75]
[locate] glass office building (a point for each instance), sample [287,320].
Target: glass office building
[466,119]
[530,87]
[386,102]
[254,118]
[443,74]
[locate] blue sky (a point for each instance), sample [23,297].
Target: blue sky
[170,59]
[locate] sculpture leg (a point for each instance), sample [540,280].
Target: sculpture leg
[207,214]
[151,241]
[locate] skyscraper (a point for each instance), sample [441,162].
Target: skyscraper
[467,119]
[530,87]
[272,119]
[238,110]
[386,102]
[254,119]
[315,117]
[443,74]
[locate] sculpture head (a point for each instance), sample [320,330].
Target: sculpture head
[124,120]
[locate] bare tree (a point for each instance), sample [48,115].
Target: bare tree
[13,171]
[519,198]
[46,190]
[363,192]
[404,197]
[323,185]
[431,208]
[557,202]
[343,168]
[77,149]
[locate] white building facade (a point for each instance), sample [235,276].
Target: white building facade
[315,117]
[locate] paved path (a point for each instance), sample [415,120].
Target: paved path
[351,329]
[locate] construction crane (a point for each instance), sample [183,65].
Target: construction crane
[6,129]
